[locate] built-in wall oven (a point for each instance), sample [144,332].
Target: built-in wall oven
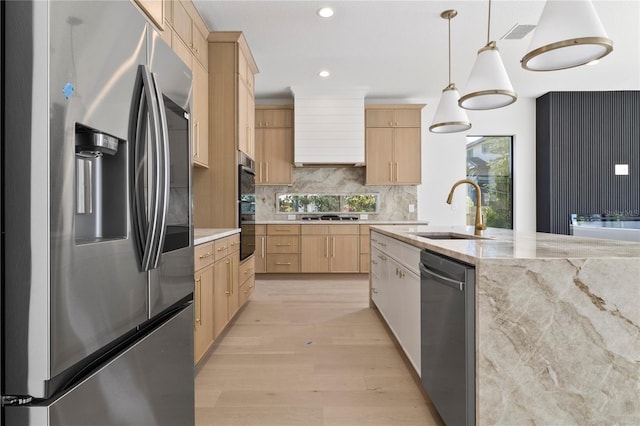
[247,206]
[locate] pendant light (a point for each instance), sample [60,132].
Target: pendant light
[488,86]
[449,118]
[569,34]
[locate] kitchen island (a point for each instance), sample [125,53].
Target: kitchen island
[557,324]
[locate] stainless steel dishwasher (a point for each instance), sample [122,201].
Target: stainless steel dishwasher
[447,315]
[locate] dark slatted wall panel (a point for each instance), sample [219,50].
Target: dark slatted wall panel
[580,136]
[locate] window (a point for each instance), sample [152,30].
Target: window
[489,163]
[327,203]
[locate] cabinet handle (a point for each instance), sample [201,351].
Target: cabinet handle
[396,172]
[326,247]
[222,248]
[199,300]
[246,271]
[262,246]
[390,171]
[391,124]
[395,124]
[197,143]
[228,292]
[374,291]
[283,244]
[266,173]
[374,262]
[207,254]
[283,230]
[283,263]
[333,246]
[381,257]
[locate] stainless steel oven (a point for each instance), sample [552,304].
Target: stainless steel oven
[247,207]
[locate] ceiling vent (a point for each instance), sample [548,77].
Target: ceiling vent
[518,32]
[328,126]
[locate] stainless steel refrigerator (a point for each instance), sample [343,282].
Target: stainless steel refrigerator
[97,316]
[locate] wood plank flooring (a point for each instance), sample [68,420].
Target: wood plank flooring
[308,350]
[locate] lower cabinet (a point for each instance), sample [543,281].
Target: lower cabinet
[222,286]
[260,254]
[330,248]
[203,321]
[395,290]
[225,291]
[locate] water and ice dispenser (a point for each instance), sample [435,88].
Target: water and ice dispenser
[100,187]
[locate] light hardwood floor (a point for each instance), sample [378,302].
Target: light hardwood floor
[308,350]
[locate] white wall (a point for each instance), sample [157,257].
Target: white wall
[444,162]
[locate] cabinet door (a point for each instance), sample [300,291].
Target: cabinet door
[200,115]
[261,254]
[182,23]
[410,304]
[274,118]
[220,295]
[154,10]
[393,307]
[260,135]
[406,156]
[379,280]
[200,46]
[345,253]
[379,156]
[234,286]
[251,124]
[379,118]
[277,152]
[243,122]
[407,118]
[203,301]
[315,253]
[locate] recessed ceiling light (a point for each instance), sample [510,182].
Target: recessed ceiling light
[325,12]
[324,73]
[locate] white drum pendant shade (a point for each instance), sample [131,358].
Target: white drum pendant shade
[488,86]
[569,34]
[450,118]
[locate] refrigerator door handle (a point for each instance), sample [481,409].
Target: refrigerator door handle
[146,210]
[164,173]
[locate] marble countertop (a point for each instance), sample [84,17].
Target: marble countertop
[204,235]
[342,222]
[507,244]
[557,325]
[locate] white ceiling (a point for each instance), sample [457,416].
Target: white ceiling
[398,49]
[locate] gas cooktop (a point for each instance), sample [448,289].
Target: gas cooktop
[329,217]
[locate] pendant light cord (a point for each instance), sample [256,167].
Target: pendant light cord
[449,19]
[489,23]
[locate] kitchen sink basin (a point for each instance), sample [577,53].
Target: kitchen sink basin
[449,236]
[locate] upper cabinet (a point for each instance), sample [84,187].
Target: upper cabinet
[274,144]
[154,9]
[188,26]
[393,144]
[233,69]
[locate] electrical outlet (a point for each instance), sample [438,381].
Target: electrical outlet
[291,217]
[621,169]
[364,216]
[412,208]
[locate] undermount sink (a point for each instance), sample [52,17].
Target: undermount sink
[449,236]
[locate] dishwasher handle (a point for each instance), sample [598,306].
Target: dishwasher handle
[459,285]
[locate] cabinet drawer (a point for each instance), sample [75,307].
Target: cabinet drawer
[343,230]
[314,229]
[246,289]
[283,229]
[283,263]
[247,269]
[221,248]
[203,255]
[234,243]
[283,244]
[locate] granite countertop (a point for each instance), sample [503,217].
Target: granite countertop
[557,324]
[204,235]
[507,244]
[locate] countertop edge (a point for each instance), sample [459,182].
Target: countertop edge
[205,235]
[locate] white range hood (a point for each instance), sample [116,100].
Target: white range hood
[328,127]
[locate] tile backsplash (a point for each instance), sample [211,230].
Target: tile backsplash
[394,200]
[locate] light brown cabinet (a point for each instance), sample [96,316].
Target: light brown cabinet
[216,189]
[246,102]
[246,276]
[330,248]
[225,282]
[185,24]
[365,241]
[154,9]
[260,254]
[200,115]
[393,145]
[274,145]
[203,300]
[283,248]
